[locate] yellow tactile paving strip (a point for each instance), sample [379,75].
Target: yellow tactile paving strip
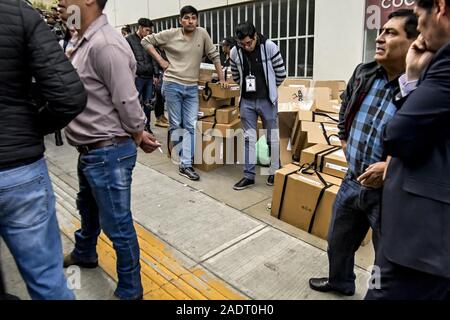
[163,277]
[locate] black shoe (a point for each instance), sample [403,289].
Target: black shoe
[70,260]
[270,180]
[244,184]
[322,285]
[189,173]
[8,297]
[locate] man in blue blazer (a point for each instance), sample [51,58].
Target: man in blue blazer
[414,258]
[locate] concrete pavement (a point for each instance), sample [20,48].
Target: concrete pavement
[223,240]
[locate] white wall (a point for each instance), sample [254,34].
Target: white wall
[338,38]
[121,12]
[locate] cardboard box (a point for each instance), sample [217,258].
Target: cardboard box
[223,116]
[212,103]
[294,82]
[314,155]
[307,197]
[321,133]
[215,147]
[327,107]
[337,87]
[324,213]
[220,93]
[335,164]
[280,187]
[313,116]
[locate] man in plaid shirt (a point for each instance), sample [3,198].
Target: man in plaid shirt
[367,106]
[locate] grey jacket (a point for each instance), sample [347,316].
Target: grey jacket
[273,66]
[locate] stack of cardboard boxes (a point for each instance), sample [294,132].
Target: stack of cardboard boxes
[218,124]
[313,161]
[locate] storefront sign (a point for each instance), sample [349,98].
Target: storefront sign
[377,11]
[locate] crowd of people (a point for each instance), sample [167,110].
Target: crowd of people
[101,86]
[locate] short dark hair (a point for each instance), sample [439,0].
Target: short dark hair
[144,22]
[126,29]
[229,42]
[410,21]
[245,29]
[429,4]
[188,9]
[102,3]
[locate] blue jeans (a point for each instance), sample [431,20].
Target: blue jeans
[182,105]
[250,110]
[355,210]
[30,229]
[104,204]
[145,88]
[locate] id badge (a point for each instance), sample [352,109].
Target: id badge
[250,82]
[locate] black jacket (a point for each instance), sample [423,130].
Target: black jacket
[29,49]
[145,63]
[352,98]
[416,200]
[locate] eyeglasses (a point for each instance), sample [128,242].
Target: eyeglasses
[245,44]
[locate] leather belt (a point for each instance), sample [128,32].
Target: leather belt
[100,144]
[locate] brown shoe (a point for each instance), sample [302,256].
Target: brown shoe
[160,123]
[70,260]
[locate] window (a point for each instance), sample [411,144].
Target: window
[288,23]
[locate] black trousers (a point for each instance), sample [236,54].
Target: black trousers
[159,101]
[402,283]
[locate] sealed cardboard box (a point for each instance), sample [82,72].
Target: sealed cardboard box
[220,93]
[324,213]
[215,147]
[206,102]
[335,164]
[314,155]
[304,197]
[220,130]
[224,115]
[280,187]
[321,133]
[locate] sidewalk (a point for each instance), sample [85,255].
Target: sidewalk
[200,240]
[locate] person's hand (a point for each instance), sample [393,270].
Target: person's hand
[223,84]
[417,59]
[156,81]
[373,177]
[164,64]
[138,137]
[148,143]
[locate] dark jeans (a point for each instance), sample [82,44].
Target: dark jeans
[355,210]
[104,203]
[159,101]
[249,111]
[402,283]
[145,88]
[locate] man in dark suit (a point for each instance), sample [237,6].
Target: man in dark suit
[414,258]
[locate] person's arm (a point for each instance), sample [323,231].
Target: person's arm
[113,66]
[234,68]
[57,80]
[213,55]
[159,39]
[278,64]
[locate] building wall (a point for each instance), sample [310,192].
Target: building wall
[339,38]
[338,30]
